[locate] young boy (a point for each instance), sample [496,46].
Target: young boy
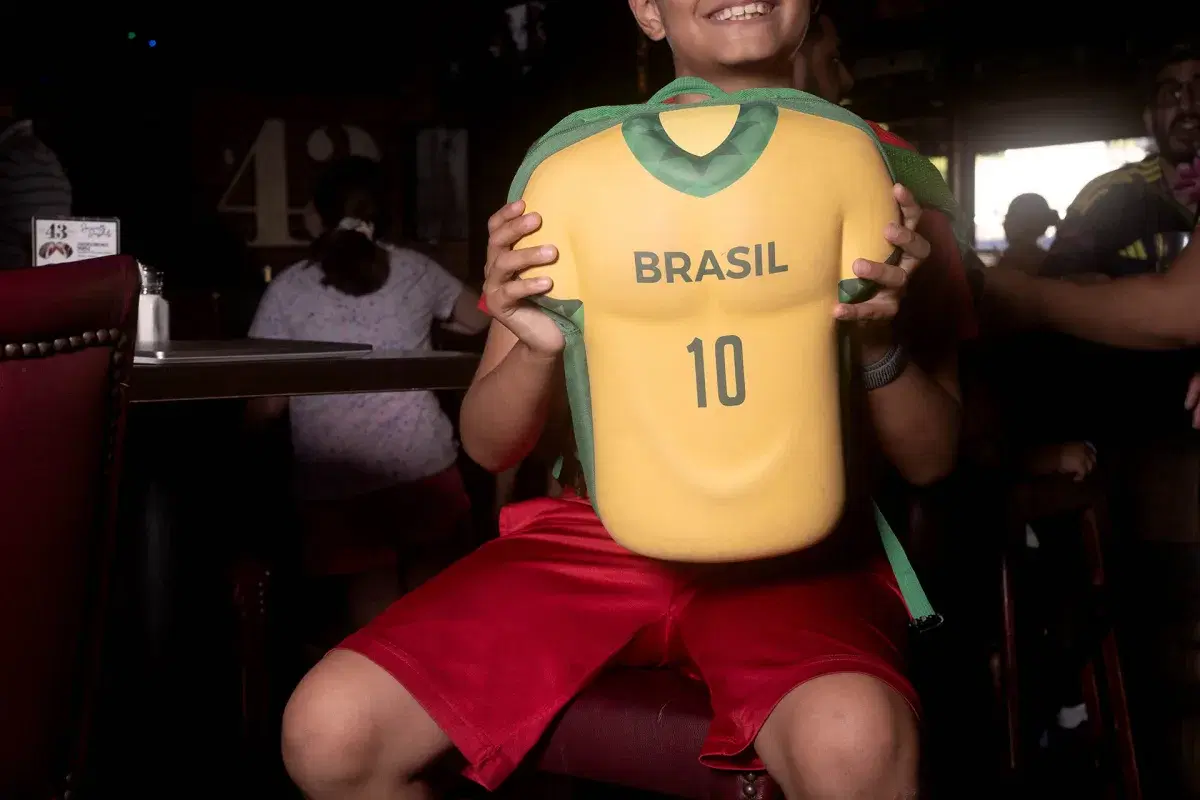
[802,655]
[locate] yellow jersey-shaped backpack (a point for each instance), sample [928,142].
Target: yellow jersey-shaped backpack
[702,249]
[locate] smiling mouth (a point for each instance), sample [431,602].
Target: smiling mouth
[741,13]
[1188,128]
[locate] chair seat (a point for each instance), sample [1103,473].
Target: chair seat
[642,729]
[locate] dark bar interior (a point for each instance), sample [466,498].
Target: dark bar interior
[936,534]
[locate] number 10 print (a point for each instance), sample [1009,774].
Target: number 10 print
[727,354]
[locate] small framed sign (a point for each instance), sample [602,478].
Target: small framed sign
[58,240]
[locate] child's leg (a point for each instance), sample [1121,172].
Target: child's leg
[842,736]
[809,672]
[482,657]
[351,730]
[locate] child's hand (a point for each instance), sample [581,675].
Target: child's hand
[892,278]
[1191,400]
[1077,459]
[506,292]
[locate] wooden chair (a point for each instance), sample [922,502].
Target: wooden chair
[1102,679]
[66,348]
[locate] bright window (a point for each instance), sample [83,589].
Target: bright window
[1057,173]
[943,165]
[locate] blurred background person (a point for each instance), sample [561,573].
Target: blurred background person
[1027,222]
[1135,219]
[380,494]
[32,183]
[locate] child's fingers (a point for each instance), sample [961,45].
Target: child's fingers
[910,209]
[889,276]
[510,263]
[513,230]
[878,308]
[509,212]
[510,295]
[913,245]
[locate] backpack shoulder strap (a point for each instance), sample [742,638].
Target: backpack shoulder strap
[920,610]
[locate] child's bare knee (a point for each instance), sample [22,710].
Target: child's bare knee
[842,736]
[349,725]
[328,734]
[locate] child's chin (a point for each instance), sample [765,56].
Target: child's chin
[751,51]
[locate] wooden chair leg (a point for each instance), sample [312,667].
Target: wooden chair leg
[1118,724]
[1122,726]
[251,591]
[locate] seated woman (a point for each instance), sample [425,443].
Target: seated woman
[376,473]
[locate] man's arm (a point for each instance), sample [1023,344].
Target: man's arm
[1146,312]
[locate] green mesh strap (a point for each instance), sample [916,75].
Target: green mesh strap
[920,610]
[686,85]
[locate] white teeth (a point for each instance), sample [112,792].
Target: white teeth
[746,11]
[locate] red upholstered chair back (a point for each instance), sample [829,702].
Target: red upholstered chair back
[66,349]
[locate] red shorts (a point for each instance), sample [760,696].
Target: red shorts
[494,647]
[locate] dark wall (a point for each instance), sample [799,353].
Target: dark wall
[124,117]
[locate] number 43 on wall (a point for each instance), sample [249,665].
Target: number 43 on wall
[268,158]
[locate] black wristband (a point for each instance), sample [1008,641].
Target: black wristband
[880,373]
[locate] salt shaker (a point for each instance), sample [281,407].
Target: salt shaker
[153,318]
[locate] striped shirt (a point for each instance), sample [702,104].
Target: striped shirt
[1126,222]
[32,184]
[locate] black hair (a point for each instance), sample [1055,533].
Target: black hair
[352,261]
[1175,54]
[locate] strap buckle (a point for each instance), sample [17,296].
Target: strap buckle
[927,623]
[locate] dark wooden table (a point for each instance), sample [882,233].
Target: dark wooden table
[380,371]
[159,528]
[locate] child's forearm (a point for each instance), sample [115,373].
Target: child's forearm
[504,411]
[917,423]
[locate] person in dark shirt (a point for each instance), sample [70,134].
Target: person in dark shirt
[1029,217]
[32,184]
[1132,224]
[1134,220]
